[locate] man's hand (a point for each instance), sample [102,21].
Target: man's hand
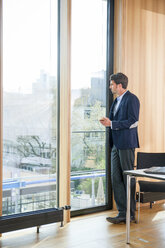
[105,122]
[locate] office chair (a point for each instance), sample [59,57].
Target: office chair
[150,191]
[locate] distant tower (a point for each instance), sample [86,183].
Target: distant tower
[100,193]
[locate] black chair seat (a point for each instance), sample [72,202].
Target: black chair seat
[146,186]
[151,190]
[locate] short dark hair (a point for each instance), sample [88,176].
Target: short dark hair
[120,78]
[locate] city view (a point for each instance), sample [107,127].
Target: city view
[29,147]
[30,107]
[88,145]
[88,103]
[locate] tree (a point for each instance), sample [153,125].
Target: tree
[30,146]
[88,136]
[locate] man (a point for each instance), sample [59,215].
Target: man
[123,122]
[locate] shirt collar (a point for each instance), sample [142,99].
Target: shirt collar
[120,97]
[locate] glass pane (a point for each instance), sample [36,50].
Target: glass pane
[29,105]
[88,100]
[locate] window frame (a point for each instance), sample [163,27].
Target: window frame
[62,10]
[1,108]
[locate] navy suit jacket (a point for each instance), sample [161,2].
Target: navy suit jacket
[121,135]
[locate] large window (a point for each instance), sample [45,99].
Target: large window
[88,103]
[29,105]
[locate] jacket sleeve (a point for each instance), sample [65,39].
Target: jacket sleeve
[133,115]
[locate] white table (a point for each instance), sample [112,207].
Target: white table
[132,174]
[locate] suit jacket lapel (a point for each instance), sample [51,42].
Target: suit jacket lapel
[112,109]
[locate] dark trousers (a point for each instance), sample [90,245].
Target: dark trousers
[122,160]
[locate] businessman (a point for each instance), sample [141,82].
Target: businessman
[123,123]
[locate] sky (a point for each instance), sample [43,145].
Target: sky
[27,35]
[88,40]
[30,41]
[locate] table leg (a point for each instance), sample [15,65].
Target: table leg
[128,210]
[139,205]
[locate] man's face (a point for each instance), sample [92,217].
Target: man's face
[113,87]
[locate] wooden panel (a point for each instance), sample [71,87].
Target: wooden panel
[64,180]
[139,46]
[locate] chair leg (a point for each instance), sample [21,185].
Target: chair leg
[151,204]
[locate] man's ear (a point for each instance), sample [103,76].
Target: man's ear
[120,86]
